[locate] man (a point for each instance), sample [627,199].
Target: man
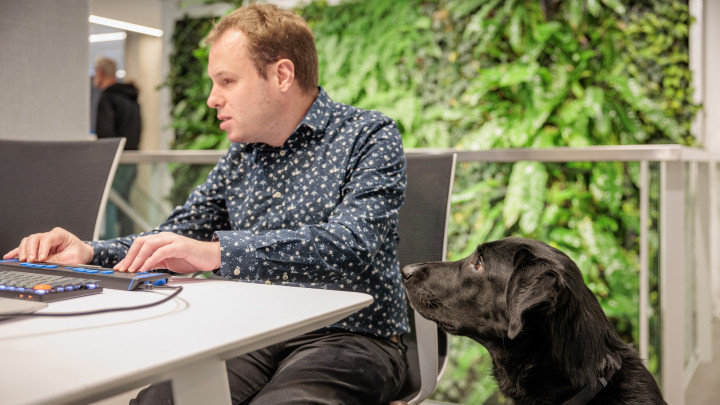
[307,195]
[117,115]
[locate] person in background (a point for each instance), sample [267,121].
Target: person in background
[117,115]
[307,195]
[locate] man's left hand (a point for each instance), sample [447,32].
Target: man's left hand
[170,251]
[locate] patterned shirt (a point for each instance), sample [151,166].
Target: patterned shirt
[320,211]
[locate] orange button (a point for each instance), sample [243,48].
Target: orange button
[41,287]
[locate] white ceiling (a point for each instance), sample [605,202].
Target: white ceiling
[142,12]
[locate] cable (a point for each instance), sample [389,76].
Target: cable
[102,311]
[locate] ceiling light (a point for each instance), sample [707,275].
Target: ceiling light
[110,36]
[125,26]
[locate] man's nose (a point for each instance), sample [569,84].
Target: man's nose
[214,99]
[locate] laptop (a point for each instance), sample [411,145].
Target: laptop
[18,306]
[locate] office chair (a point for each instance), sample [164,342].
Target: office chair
[55,183]
[423,237]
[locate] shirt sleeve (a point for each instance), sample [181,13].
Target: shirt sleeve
[342,249]
[203,213]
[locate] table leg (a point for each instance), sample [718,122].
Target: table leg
[204,382]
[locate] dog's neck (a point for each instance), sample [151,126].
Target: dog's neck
[589,392]
[518,390]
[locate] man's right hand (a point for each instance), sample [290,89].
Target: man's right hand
[56,246]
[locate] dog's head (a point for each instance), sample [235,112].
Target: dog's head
[505,289]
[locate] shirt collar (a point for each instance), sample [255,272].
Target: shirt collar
[318,115]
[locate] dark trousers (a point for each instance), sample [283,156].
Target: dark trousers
[316,368]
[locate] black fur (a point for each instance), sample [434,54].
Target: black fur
[527,303]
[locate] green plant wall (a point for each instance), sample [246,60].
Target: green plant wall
[483,74]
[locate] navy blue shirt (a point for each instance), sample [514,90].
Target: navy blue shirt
[321,211]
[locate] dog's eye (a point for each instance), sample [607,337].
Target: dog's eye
[479,265]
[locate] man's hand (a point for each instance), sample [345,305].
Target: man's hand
[170,251]
[57,246]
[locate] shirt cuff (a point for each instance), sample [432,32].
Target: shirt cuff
[237,254]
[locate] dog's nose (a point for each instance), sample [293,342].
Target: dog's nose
[408,271]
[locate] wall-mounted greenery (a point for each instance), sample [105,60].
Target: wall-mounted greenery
[481,74]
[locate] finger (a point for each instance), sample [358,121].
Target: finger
[21,249]
[125,263]
[149,247]
[11,254]
[30,245]
[143,254]
[158,257]
[50,241]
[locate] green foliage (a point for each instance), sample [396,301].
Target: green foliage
[482,74]
[194,123]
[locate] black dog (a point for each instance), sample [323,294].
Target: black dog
[549,339]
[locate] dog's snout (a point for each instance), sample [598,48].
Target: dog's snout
[409,270]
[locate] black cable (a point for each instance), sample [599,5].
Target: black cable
[102,311]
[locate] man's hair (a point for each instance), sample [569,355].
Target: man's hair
[106,65]
[274,34]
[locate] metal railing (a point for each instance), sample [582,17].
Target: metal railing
[688,272]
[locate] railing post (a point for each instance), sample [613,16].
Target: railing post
[703,279]
[672,281]
[644,342]
[714,265]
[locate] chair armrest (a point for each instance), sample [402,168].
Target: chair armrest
[427,347]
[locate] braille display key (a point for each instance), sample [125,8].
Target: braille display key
[107,277]
[44,287]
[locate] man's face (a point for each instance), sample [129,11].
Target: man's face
[245,102]
[97,78]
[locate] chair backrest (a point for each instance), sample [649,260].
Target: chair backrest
[55,183]
[423,237]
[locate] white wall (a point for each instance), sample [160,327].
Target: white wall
[44,86]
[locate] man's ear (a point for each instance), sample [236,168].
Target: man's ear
[285,74]
[533,285]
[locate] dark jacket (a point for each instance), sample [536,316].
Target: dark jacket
[118,114]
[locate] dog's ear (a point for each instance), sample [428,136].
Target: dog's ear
[533,285]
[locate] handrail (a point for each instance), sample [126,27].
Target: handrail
[174,156]
[600,153]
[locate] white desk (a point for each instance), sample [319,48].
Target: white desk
[186,340]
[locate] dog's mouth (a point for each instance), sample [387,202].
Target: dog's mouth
[432,308]
[449,328]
